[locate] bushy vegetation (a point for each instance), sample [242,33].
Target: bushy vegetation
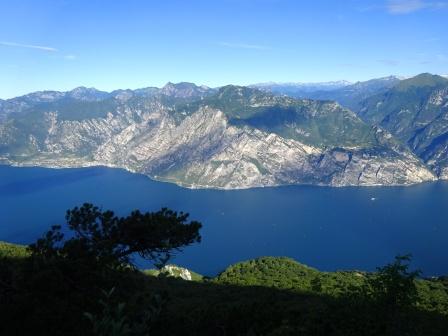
[13,251]
[63,278]
[392,285]
[87,285]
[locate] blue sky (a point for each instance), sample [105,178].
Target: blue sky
[61,44]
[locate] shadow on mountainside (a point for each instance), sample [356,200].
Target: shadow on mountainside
[42,304]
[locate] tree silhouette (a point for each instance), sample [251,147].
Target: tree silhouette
[101,237]
[394,285]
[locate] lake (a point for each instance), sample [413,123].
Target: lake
[326,228]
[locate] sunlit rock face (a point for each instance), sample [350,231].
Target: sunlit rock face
[231,138]
[416,112]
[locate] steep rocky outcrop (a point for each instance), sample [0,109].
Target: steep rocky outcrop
[234,137]
[416,112]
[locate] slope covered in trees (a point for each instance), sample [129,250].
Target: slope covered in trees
[85,284]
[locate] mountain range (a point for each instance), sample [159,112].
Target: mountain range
[387,131]
[346,93]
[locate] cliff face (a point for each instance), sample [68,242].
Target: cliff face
[199,137]
[416,112]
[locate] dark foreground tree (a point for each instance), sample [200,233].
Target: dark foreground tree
[394,285]
[68,270]
[102,238]
[82,285]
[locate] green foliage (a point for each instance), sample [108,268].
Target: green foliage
[280,272]
[413,111]
[432,295]
[54,292]
[8,250]
[259,297]
[107,240]
[48,291]
[115,321]
[112,321]
[265,296]
[394,284]
[318,123]
[286,273]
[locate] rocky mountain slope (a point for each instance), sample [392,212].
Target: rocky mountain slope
[232,137]
[416,112]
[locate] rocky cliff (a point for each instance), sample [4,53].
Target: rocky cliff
[234,137]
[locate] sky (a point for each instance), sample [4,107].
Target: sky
[119,44]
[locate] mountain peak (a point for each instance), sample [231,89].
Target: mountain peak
[84,89]
[422,80]
[123,95]
[240,93]
[380,79]
[87,94]
[184,90]
[180,85]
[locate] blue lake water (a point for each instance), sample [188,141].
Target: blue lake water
[327,228]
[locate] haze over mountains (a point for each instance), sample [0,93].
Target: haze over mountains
[385,131]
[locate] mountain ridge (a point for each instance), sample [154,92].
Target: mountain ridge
[415,111]
[227,138]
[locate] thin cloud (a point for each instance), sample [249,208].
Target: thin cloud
[410,6]
[242,46]
[29,46]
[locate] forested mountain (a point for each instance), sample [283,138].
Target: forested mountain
[263,296]
[231,137]
[416,112]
